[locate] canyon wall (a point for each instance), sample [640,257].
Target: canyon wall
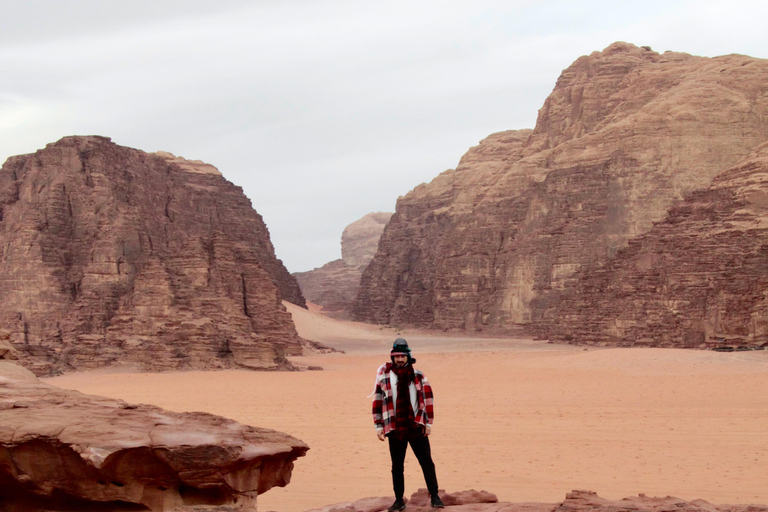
[697,279]
[625,134]
[110,255]
[334,286]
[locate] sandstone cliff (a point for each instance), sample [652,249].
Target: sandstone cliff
[697,279]
[62,450]
[114,256]
[334,286]
[624,135]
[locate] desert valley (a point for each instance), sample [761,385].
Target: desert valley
[588,297]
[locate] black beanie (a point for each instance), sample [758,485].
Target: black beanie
[401,347]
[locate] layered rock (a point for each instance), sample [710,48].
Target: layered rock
[334,286]
[575,501]
[697,279]
[625,134]
[63,450]
[111,255]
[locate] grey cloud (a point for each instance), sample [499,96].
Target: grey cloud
[321,111]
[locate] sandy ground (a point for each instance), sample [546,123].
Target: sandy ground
[524,419]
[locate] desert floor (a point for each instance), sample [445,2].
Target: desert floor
[525,419]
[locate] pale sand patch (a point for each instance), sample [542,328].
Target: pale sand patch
[526,420]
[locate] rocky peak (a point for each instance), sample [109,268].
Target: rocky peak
[111,255]
[625,134]
[334,285]
[197,166]
[360,239]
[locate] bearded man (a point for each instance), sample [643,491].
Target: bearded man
[403,414]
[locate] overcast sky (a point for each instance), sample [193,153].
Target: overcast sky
[321,110]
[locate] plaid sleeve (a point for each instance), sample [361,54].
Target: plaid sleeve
[429,401]
[378,403]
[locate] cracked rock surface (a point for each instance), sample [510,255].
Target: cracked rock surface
[63,450]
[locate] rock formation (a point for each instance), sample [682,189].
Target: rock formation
[110,255]
[419,500]
[575,501]
[334,286]
[697,279]
[625,134]
[63,450]
[360,239]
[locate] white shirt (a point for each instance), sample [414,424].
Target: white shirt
[411,389]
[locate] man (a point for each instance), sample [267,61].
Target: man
[402,413]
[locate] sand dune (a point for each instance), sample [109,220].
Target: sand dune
[525,419]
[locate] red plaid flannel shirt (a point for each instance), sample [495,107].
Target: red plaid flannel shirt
[384,406]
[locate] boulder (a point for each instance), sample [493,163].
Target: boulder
[63,450]
[575,501]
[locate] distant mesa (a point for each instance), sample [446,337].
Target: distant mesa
[609,222]
[360,239]
[63,450]
[114,256]
[334,286]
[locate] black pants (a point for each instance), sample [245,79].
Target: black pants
[398,443]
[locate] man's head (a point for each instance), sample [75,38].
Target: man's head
[401,353]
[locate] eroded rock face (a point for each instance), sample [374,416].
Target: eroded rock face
[697,279]
[575,501]
[625,134]
[334,286]
[360,239]
[63,450]
[110,255]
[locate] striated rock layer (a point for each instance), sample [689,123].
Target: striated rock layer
[575,501]
[110,255]
[334,286]
[624,135]
[697,279]
[62,450]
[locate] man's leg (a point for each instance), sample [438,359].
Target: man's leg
[423,452]
[397,447]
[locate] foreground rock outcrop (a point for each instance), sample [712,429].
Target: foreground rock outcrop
[110,255]
[697,279]
[625,134]
[334,286]
[575,501]
[63,450]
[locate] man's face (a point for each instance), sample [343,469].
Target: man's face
[400,360]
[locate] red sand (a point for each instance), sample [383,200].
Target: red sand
[526,420]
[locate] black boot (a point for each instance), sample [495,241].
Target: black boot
[437,502]
[398,505]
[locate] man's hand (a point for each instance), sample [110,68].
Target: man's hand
[380,435]
[427,429]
